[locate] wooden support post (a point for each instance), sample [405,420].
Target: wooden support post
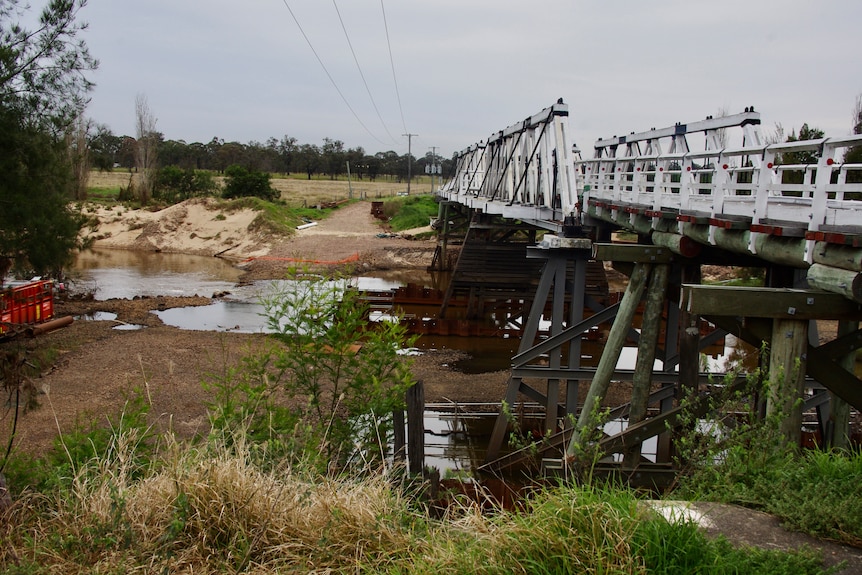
[647,344]
[528,338]
[555,358]
[444,245]
[787,375]
[839,417]
[610,356]
[689,357]
[689,338]
[416,427]
[576,316]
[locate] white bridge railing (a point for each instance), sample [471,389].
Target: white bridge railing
[735,180]
[725,187]
[524,172]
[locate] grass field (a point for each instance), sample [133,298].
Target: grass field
[296,189]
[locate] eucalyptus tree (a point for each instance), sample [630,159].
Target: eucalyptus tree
[104,147]
[308,159]
[799,157]
[333,157]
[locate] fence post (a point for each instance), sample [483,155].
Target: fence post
[415,397]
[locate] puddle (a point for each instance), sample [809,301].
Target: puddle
[109,316]
[128,327]
[97,316]
[225,315]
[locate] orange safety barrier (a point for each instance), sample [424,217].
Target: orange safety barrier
[347,260]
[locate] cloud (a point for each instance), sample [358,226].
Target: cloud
[244,71]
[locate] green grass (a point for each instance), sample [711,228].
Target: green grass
[815,492]
[275,217]
[103,195]
[407,213]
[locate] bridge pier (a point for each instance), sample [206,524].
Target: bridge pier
[554,283]
[652,272]
[778,316]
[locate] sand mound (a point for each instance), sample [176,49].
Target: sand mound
[195,226]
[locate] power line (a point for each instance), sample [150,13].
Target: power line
[361,74]
[392,63]
[328,75]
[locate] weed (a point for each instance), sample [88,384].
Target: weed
[737,456]
[411,212]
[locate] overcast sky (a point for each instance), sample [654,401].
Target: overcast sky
[242,70]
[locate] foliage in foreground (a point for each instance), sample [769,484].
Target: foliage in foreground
[325,391]
[816,492]
[210,509]
[743,459]
[269,490]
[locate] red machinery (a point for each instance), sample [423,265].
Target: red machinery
[25,304]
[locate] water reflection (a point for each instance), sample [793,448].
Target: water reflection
[127,274]
[238,316]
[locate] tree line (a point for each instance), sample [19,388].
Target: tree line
[283,155]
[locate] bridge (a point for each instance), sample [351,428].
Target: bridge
[712,191]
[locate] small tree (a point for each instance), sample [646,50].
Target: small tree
[174,184]
[38,230]
[344,375]
[43,88]
[79,156]
[240,182]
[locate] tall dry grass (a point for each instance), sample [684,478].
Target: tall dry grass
[208,510]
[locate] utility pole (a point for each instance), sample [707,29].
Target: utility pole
[409,159]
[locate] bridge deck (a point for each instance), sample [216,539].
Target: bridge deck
[800,190]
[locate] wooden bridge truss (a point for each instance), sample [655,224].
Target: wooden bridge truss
[731,202]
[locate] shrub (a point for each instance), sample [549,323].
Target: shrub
[325,393]
[241,182]
[175,185]
[742,459]
[347,374]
